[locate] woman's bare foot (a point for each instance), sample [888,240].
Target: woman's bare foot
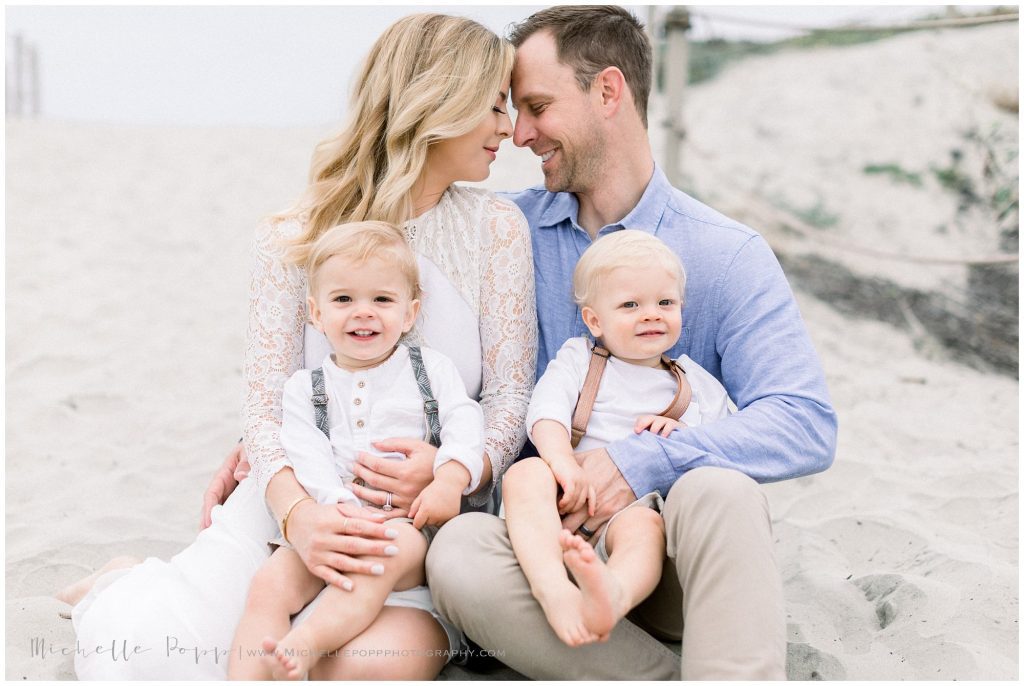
[604,603]
[563,608]
[288,660]
[73,593]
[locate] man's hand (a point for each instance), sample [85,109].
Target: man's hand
[403,479]
[657,424]
[613,493]
[331,539]
[234,469]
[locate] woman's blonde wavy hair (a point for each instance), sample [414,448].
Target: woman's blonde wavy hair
[427,78]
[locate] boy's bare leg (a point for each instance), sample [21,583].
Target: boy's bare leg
[530,494]
[340,615]
[280,589]
[636,547]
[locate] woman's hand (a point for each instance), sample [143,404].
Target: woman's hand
[331,539]
[403,479]
[234,469]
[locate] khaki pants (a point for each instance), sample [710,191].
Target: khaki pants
[720,576]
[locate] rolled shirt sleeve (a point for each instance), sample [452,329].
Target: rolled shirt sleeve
[785,425]
[308,449]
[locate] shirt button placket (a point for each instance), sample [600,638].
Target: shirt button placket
[359,418]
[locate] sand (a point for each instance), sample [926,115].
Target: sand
[127,258]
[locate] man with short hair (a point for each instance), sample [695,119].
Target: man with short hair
[580,84]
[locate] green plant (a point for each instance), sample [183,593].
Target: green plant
[895,172]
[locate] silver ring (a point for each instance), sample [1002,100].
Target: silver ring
[587,533]
[387,504]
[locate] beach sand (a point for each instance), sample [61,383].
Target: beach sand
[127,260]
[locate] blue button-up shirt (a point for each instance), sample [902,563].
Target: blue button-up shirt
[740,322]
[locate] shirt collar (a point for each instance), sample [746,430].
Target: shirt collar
[645,216]
[561,206]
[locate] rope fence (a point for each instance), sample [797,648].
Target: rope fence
[953,22]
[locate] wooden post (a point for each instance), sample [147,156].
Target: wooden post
[33,78]
[19,82]
[677,22]
[652,21]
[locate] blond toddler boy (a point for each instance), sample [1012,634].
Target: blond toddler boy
[630,288]
[363,288]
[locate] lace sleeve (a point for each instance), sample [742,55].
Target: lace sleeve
[508,335]
[273,350]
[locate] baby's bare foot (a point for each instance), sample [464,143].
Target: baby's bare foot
[563,607]
[604,603]
[287,660]
[73,593]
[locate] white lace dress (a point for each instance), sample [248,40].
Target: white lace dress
[176,619]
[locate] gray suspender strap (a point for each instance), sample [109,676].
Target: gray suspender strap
[429,404]
[320,401]
[588,394]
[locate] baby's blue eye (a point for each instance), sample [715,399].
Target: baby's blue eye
[629,304]
[342,299]
[667,302]
[383,299]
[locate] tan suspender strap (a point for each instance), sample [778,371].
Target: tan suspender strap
[679,403]
[588,394]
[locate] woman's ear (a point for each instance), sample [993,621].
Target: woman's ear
[314,314]
[591,320]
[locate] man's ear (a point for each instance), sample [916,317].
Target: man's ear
[314,314]
[410,315]
[611,87]
[591,320]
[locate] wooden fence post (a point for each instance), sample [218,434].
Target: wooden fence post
[677,23]
[22,82]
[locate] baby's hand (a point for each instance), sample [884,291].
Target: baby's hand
[442,498]
[576,489]
[657,424]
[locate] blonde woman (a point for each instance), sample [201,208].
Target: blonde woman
[429,109]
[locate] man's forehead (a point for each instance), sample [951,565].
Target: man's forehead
[537,71]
